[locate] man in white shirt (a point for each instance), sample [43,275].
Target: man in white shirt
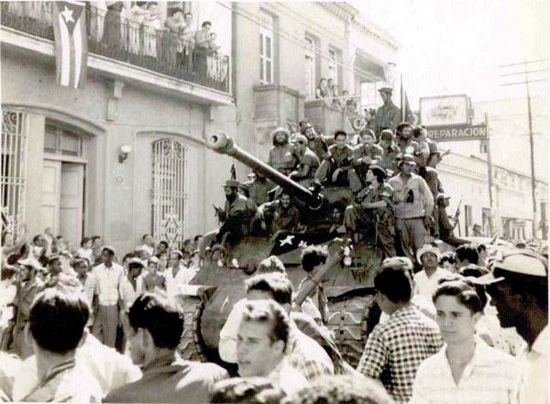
[427,280]
[262,340]
[518,287]
[131,285]
[107,280]
[177,274]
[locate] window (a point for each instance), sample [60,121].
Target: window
[334,68]
[14,173]
[310,79]
[266,48]
[169,191]
[61,141]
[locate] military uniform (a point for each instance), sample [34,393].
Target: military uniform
[259,190]
[276,218]
[388,160]
[388,116]
[318,146]
[368,154]
[377,221]
[310,159]
[282,159]
[338,158]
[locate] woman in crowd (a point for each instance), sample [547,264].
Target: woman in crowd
[466,370]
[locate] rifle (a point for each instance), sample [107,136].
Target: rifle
[457,211]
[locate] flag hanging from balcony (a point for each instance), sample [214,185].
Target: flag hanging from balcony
[71,43]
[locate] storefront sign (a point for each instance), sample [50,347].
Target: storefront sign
[445,110]
[457,133]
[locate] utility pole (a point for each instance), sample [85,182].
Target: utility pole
[532,147]
[490,175]
[526,82]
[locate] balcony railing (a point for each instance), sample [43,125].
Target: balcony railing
[120,39]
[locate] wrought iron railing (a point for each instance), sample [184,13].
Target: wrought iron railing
[118,38]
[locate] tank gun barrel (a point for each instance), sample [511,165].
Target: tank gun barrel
[224,144]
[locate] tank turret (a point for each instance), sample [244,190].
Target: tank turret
[224,144]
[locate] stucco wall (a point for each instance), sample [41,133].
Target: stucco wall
[118,195]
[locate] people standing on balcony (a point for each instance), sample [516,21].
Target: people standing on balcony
[212,68]
[172,39]
[331,99]
[388,115]
[188,37]
[202,41]
[112,40]
[136,16]
[151,24]
[321,92]
[281,157]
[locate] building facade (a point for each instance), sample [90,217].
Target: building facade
[124,156]
[283,49]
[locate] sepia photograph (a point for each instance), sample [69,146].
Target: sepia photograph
[294,202]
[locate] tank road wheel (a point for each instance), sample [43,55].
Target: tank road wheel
[190,346]
[347,322]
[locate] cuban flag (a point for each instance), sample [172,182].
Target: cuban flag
[71,43]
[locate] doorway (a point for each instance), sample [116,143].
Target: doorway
[63,199]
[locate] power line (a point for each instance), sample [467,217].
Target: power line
[523,82]
[525,63]
[530,71]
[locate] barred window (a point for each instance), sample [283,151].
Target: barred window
[169,191]
[14,174]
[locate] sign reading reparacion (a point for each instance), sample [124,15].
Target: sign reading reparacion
[457,133]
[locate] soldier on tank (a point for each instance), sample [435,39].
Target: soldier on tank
[308,163]
[337,165]
[390,151]
[372,211]
[280,215]
[315,142]
[281,157]
[367,152]
[258,188]
[235,217]
[388,115]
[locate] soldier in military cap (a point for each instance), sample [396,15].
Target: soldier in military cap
[388,115]
[337,164]
[237,213]
[414,205]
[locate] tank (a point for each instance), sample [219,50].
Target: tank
[217,286]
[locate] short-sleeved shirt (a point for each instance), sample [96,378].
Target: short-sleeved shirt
[395,349]
[107,283]
[490,377]
[427,286]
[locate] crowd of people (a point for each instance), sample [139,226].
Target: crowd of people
[469,327]
[327,91]
[87,324]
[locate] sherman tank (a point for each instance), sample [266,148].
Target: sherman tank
[218,285]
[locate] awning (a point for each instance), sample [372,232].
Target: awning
[363,63]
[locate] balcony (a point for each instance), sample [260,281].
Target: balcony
[158,51]
[327,119]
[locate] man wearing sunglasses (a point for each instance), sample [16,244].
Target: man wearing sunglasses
[518,287]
